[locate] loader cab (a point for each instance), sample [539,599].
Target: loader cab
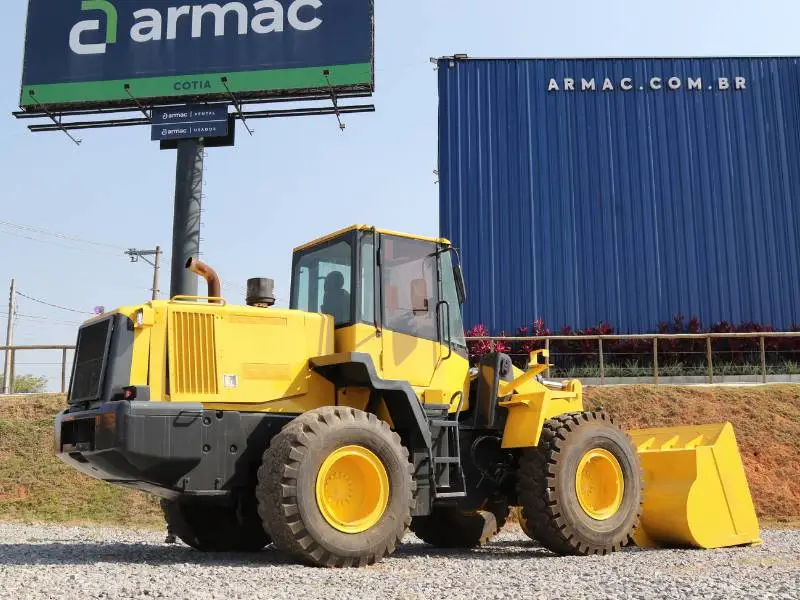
[393,296]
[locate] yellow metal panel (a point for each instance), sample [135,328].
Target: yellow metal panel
[451,376]
[158,353]
[140,361]
[359,338]
[341,232]
[527,414]
[408,358]
[696,491]
[264,352]
[433,397]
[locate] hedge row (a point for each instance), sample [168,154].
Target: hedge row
[692,353]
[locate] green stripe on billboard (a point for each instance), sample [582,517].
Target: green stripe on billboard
[241,82]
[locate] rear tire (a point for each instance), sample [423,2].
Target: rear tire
[336,488]
[580,490]
[451,527]
[211,528]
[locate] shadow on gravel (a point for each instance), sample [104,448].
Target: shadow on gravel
[88,553]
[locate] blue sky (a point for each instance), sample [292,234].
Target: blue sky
[296,179]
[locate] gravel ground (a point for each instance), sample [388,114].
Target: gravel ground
[88,563]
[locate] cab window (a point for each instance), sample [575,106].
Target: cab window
[410,285]
[323,282]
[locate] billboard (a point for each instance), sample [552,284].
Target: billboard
[127,53]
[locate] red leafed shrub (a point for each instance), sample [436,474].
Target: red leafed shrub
[692,352]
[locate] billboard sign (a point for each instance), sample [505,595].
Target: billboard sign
[185,122]
[107,53]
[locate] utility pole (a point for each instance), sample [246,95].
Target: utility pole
[155,263]
[12,308]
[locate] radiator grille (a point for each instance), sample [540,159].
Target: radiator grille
[90,358]
[193,354]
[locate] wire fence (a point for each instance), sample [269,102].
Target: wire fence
[655,356]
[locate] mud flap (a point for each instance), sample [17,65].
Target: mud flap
[696,491]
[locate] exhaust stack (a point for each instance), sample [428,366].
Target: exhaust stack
[200,268]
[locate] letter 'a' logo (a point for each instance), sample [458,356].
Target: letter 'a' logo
[75,42]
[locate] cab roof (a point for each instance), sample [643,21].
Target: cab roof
[341,232]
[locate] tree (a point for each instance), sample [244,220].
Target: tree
[28,384]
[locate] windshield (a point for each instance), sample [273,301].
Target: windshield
[322,282]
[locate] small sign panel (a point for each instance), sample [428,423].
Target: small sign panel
[187,122]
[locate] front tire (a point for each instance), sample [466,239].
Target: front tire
[580,490]
[336,488]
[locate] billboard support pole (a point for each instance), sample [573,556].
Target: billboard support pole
[186,221]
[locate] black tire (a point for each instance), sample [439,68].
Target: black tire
[524,525]
[451,527]
[211,528]
[547,490]
[286,488]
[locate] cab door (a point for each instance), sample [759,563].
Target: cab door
[411,347]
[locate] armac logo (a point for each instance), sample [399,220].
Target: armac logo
[628,84]
[154,25]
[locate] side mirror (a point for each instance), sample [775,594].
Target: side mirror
[461,290]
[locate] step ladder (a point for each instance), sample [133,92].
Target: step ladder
[445,454]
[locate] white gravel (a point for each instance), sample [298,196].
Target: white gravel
[88,563]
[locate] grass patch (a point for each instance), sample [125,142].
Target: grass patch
[36,487]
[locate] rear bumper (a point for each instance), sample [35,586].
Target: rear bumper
[164,448]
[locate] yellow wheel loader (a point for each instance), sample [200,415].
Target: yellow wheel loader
[332,427]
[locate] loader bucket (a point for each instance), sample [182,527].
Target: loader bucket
[696,491]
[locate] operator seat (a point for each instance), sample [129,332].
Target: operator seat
[336,300]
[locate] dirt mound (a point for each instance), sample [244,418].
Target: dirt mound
[766,420]
[35,486]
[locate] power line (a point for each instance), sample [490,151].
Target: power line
[80,312]
[55,234]
[39,320]
[94,251]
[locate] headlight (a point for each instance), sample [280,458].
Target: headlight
[140,318]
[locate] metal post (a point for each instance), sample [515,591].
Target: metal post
[763,361]
[64,371]
[186,222]
[655,361]
[12,302]
[12,369]
[710,361]
[156,269]
[547,347]
[602,366]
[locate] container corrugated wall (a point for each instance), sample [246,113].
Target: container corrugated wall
[623,205]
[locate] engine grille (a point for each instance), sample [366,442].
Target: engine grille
[193,362]
[90,361]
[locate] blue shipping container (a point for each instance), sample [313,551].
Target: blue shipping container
[623,190]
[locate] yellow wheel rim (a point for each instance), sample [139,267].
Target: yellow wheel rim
[599,484]
[352,489]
